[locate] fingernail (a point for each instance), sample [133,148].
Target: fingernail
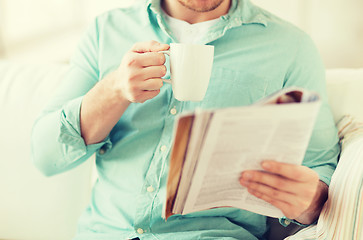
[247,176]
[266,165]
[244,182]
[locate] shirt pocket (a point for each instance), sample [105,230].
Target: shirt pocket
[229,88]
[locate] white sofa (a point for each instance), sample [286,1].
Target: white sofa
[33,207]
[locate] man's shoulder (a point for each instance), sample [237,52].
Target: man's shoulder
[284,33]
[280,27]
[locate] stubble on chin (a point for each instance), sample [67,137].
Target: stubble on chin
[201,5]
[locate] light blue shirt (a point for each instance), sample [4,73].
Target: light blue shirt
[256,54]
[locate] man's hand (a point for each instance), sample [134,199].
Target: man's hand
[138,77]
[295,190]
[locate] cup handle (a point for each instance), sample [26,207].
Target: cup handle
[167,52]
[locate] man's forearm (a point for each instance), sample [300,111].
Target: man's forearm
[101,109]
[138,79]
[314,210]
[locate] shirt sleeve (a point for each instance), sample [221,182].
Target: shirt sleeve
[57,144]
[308,71]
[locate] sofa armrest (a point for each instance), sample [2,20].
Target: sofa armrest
[341,217]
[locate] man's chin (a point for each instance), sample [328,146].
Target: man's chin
[201,5]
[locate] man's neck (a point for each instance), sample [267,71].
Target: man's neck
[177,10]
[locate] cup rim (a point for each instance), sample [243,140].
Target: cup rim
[192,44]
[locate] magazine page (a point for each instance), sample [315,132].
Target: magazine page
[200,123]
[181,138]
[289,95]
[241,138]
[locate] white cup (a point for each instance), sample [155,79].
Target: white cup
[190,70]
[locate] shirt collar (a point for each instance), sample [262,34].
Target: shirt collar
[244,12]
[241,12]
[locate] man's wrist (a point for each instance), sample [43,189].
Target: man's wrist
[312,213]
[111,87]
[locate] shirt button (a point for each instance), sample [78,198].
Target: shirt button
[150,189]
[287,222]
[173,111]
[102,151]
[163,148]
[140,231]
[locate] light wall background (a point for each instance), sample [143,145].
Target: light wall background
[48,30]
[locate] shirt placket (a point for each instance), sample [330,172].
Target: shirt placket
[154,173]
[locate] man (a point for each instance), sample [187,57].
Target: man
[113,103]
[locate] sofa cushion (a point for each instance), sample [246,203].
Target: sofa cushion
[31,205]
[341,217]
[35,207]
[345,87]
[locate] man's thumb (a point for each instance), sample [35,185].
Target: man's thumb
[150,46]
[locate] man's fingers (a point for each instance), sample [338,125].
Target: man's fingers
[268,179]
[151,46]
[148,59]
[285,207]
[291,188]
[153,72]
[270,194]
[294,172]
[152,84]
[151,59]
[149,95]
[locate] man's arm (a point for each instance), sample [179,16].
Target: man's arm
[77,121]
[137,79]
[311,214]
[295,190]
[300,191]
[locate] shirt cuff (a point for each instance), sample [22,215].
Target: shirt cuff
[325,173]
[73,144]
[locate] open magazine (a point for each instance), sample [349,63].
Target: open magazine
[212,148]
